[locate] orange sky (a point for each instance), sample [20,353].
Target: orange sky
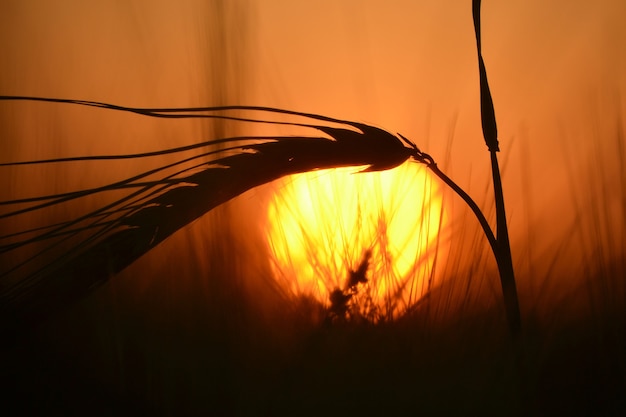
[201,322]
[557,70]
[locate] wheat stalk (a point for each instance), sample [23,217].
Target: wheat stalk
[502,248]
[128,228]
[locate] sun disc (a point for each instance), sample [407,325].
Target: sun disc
[321,224]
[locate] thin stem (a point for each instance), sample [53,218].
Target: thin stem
[472,205]
[490,133]
[504,258]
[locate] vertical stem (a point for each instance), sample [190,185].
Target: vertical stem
[503,254]
[490,134]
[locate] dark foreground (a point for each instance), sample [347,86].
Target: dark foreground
[116,354]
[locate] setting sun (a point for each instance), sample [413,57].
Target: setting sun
[326,223]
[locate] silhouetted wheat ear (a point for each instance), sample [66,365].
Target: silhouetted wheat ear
[124,230]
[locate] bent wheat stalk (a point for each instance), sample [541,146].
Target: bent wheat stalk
[124,230]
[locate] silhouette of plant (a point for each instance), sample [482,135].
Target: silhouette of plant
[501,246]
[124,230]
[340,300]
[108,239]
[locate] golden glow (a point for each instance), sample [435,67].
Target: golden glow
[322,223]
